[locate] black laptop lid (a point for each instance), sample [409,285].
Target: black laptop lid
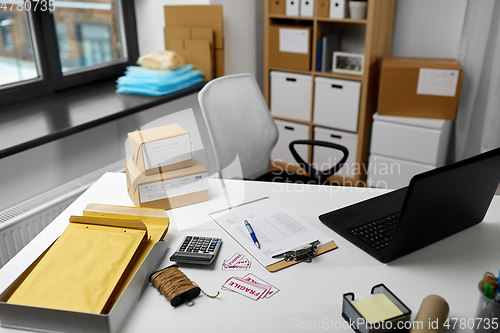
[444,201]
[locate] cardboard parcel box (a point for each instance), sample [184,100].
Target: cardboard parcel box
[199,18]
[161,149]
[290,47]
[167,190]
[126,294]
[420,87]
[195,45]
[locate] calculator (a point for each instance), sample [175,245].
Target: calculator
[197,250]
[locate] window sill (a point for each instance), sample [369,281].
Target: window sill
[37,122]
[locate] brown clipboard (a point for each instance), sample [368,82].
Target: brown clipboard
[280,264]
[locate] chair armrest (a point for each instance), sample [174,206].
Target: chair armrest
[317,174]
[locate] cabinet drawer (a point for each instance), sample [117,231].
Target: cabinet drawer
[336,103]
[325,158]
[291,95]
[386,172]
[288,132]
[411,141]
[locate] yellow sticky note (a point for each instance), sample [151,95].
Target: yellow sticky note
[377,308]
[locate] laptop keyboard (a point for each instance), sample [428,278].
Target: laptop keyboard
[377,234]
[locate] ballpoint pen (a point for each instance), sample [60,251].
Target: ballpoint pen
[252,234]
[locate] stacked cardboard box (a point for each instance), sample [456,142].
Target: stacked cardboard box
[163,173]
[420,87]
[197,34]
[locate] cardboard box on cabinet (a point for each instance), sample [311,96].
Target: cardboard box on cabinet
[420,87]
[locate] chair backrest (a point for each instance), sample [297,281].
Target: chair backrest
[239,122]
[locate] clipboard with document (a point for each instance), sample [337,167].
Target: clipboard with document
[285,239]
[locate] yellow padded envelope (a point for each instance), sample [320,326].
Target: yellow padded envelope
[83,267]
[156,220]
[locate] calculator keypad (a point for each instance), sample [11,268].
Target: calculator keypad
[196,244]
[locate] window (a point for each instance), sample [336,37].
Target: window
[92,34]
[62,40]
[6,36]
[95,44]
[16,57]
[44,49]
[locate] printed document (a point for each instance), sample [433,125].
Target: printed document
[278,229]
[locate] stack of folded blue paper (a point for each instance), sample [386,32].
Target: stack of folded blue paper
[156,82]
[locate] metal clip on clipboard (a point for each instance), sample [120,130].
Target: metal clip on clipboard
[304,254]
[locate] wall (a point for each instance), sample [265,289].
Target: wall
[242,44]
[39,169]
[428,28]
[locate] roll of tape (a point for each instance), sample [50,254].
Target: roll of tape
[431,316]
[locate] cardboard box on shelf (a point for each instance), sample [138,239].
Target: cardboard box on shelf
[198,18]
[160,149]
[323,8]
[290,47]
[195,45]
[277,7]
[420,87]
[167,190]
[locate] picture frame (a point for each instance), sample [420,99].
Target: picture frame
[348,63]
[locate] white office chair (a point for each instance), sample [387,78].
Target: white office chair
[239,124]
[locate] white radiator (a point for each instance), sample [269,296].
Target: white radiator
[19,224]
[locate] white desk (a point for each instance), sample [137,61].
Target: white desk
[310,294]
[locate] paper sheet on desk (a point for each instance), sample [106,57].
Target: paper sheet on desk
[277,229]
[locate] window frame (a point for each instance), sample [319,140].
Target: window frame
[46,49]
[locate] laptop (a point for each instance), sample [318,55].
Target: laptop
[436,204]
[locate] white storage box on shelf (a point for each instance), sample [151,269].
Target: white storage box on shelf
[291,95]
[336,103]
[420,140]
[288,132]
[387,172]
[307,8]
[292,7]
[402,147]
[338,9]
[325,158]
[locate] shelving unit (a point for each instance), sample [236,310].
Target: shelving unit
[374,34]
